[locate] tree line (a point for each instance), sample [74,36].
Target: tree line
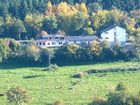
[25,19]
[11,50]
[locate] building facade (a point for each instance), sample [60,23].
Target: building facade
[56,41]
[113,34]
[51,41]
[80,40]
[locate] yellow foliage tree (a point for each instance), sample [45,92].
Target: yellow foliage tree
[99,18]
[83,9]
[49,11]
[66,10]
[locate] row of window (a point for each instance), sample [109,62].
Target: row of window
[81,42]
[50,38]
[48,43]
[57,43]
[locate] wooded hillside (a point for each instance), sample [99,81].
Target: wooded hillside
[24,19]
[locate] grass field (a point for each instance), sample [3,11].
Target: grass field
[47,87]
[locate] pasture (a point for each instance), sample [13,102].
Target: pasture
[47,86]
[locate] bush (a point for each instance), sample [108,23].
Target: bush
[99,101]
[121,87]
[117,69]
[136,100]
[80,75]
[58,103]
[118,98]
[17,96]
[52,67]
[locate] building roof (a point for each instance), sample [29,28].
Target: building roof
[81,38]
[43,33]
[52,35]
[109,28]
[44,37]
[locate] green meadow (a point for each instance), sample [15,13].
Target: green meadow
[48,86]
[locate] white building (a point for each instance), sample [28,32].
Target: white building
[111,34]
[56,41]
[114,33]
[46,41]
[50,41]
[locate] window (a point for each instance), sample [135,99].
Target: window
[50,37]
[46,38]
[56,37]
[40,43]
[53,43]
[60,42]
[48,43]
[43,43]
[106,38]
[25,43]
[115,34]
[106,32]
[62,38]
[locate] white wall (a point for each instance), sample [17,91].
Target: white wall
[50,44]
[120,32]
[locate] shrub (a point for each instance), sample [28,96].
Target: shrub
[121,87]
[17,96]
[118,98]
[117,69]
[99,101]
[58,103]
[136,99]
[80,75]
[52,67]
[123,98]
[4,49]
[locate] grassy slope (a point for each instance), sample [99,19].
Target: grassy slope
[47,87]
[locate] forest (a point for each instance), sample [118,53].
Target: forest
[25,19]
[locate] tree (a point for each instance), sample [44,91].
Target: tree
[71,25]
[3,10]
[88,31]
[49,54]
[95,48]
[29,54]
[137,46]
[94,7]
[50,8]
[14,8]
[50,25]
[68,53]
[15,47]
[82,8]
[17,96]
[17,28]
[30,4]
[23,9]
[33,24]
[4,49]
[107,52]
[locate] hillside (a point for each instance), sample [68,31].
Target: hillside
[25,19]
